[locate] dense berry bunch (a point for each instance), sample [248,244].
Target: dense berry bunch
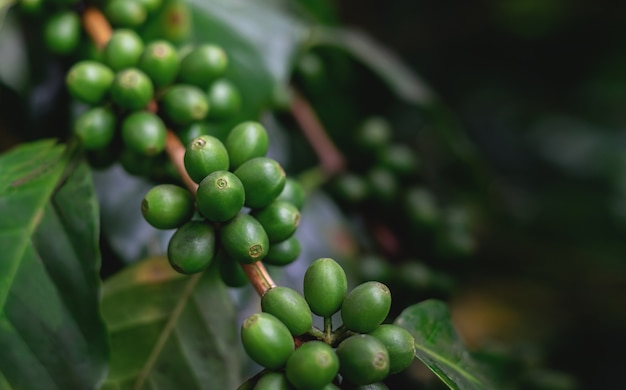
[362,351]
[248,210]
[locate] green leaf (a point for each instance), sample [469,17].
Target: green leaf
[399,78]
[170,331]
[51,333]
[439,347]
[260,40]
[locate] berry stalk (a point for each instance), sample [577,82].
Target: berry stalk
[99,30]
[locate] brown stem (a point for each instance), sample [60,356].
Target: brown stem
[99,30]
[330,157]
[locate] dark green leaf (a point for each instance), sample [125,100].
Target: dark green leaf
[51,333]
[170,331]
[399,77]
[439,347]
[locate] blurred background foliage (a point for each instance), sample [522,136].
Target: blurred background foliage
[516,110]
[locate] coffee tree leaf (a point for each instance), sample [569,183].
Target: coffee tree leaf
[439,347]
[170,331]
[51,332]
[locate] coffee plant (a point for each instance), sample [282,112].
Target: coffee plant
[220,194]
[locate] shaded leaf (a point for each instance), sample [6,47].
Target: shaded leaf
[400,78]
[51,333]
[170,331]
[439,347]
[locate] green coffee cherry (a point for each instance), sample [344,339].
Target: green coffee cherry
[383,184]
[272,381]
[325,286]
[89,81]
[95,128]
[144,133]
[366,307]
[350,187]
[125,13]
[137,164]
[293,192]
[399,159]
[245,141]
[205,155]
[184,104]
[279,219]
[244,239]
[284,252]
[62,32]
[230,270]
[421,208]
[150,5]
[123,49]
[363,359]
[202,65]
[131,89]
[189,132]
[160,62]
[399,343]
[374,134]
[192,247]
[290,307]
[167,206]
[266,340]
[312,366]
[220,196]
[224,99]
[263,180]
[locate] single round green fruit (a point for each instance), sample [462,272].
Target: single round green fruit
[160,62]
[284,252]
[350,187]
[220,196]
[167,206]
[399,343]
[184,104]
[61,32]
[246,141]
[125,13]
[230,270]
[280,220]
[421,208]
[399,159]
[205,155]
[123,49]
[224,99]
[95,128]
[144,133]
[89,81]
[263,179]
[272,381]
[192,247]
[366,307]
[131,89]
[244,239]
[290,307]
[266,340]
[293,192]
[374,134]
[202,65]
[312,366]
[363,359]
[189,132]
[325,286]
[137,164]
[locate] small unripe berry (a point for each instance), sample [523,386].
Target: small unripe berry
[131,89]
[123,49]
[284,252]
[192,247]
[224,99]
[325,286]
[160,62]
[290,307]
[244,239]
[95,128]
[266,340]
[205,155]
[363,359]
[312,366]
[220,196]
[245,141]
[366,307]
[399,343]
[144,133]
[62,32]
[184,104]
[280,220]
[89,81]
[202,65]
[167,206]
[263,179]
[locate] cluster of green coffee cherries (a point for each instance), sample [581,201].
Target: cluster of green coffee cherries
[362,351]
[245,208]
[144,89]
